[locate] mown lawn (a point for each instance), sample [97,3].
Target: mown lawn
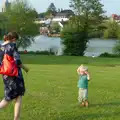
[51,89]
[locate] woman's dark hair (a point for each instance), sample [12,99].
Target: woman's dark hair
[9,36]
[14,35]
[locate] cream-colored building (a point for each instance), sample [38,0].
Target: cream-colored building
[5,5]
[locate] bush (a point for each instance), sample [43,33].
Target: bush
[113,30]
[37,52]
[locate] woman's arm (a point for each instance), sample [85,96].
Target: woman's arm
[18,60]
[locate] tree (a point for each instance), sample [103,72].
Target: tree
[54,28]
[51,11]
[3,21]
[88,17]
[52,8]
[112,30]
[20,18]
[73,38]
[42,15]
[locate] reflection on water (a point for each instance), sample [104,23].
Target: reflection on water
[43,43]
[98,46]
[95,46]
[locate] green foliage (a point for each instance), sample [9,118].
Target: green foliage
[74,39]
[90,13]
[116,49]
[42,15]
[51,11]
[109,55]
[90,8]
[3,26]
[87,20]
[52,8]
[20,18]
[54,28]
[112,30]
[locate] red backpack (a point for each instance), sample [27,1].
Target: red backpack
[8,66]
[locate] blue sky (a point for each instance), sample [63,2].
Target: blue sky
[111,6]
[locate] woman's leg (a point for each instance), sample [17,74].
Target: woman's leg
[18,102]
[3,103]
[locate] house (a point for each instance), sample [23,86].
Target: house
[115,17]
[64,15]
[61,16]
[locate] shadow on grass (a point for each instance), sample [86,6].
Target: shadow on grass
[97,114]
[106,104]
[90,116]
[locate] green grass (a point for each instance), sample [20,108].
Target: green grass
[38,59]
[51,89]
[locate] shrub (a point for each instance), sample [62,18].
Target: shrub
[109,55]
[38,52]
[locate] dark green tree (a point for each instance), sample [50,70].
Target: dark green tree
[20,18]
[88,15]
[51,11]
[52,8]
[2,25]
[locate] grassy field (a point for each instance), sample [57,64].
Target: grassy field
[51,89]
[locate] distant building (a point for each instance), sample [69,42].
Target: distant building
[115,17]
[6,5]
[63,16]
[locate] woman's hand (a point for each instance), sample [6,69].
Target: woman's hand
[26,69]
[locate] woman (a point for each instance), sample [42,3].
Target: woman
[14,87]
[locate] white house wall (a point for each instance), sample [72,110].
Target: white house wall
[59,19]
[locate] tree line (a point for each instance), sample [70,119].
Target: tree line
[88,22]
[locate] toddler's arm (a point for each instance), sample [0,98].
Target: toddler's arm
[88,76]
[78,70]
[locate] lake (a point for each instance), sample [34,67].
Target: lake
[95,46]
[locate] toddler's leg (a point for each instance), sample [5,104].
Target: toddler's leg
[18,102]
[86,103]
[3,103]
[86,97]
[80,97]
